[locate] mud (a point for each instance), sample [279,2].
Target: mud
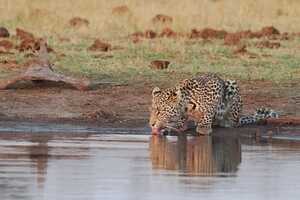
[120,106]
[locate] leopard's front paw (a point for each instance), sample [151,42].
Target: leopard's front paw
[203,131]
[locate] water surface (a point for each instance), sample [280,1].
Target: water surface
[101,166]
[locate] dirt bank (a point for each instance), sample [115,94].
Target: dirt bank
[123,106]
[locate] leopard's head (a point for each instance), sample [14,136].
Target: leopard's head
[168,111]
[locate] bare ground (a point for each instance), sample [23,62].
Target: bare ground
[124,106]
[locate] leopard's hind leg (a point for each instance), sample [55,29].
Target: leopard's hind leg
[231,107]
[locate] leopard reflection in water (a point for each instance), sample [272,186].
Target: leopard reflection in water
[204,156]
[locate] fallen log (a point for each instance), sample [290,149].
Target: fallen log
[41,70]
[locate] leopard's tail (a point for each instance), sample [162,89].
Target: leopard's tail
[260,115]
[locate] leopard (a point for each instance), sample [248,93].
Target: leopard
[206,100]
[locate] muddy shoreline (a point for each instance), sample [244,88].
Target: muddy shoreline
[123,106]
[125,110]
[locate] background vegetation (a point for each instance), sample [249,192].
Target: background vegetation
[130,62]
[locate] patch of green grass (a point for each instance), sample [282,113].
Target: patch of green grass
[130,63]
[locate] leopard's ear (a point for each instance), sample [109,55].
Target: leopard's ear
[156,91]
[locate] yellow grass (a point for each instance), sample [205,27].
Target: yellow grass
[46,16]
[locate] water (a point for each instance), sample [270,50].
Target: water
[101,166]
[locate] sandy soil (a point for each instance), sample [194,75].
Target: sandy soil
[123,106]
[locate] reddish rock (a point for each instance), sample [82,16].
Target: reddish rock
[64,39]
[248,34]
[138,34]
[98,45]
[284,36]
[208,33]
[168,32]
[195,34]
[244,34]
[150,34]
[241,50]
[269,31]
[267,44]
[24,35]
[232,39]
[28,45]
[32,45]
[4,32]
[160,18]
[136,40]
[9,63]
[120,10]
[79,22]
[7,45]
[136,37]
[159,64]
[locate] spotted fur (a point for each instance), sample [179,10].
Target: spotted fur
[206,100]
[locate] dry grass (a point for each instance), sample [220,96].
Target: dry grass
[52,16]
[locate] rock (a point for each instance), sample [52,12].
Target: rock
[269,31]
[150,34]
[267,44]
[208,33]
[4,32]
[98,45]
[78,22]
[163,19]
[6,45]
[32,45]
[120,10]
[232,39]
[241,50]
[168,32]
[9,63]
[159,64]
[24,35]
